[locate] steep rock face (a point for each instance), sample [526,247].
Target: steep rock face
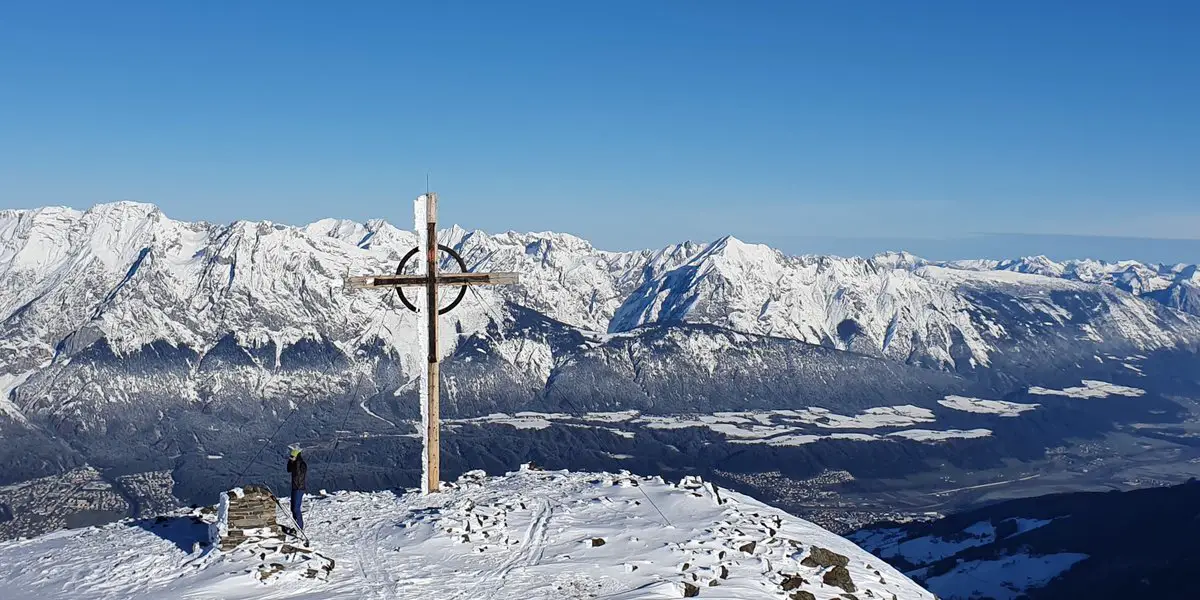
[563,276]
[1183,293]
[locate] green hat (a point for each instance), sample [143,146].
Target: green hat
[295,452]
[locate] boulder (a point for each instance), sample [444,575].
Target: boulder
[820,557]
[791,582]
[839,577]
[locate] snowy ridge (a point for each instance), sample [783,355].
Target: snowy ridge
[528,534]
[1129,275]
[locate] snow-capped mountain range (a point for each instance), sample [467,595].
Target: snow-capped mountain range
[126,273]
[122,325]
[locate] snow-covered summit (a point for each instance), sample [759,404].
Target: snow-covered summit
[528,534]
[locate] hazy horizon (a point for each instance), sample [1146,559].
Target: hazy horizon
[968,245]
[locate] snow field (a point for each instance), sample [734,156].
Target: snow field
[528,534]
[979,405]
[1090,389]
[791,427]
[1003,579]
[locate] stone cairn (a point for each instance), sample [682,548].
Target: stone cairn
[245,514]
[245,522]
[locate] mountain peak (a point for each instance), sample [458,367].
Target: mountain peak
[899,259]
[126,205]
[123,211]
[738,250]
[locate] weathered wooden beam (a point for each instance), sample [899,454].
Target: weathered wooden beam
[433,443]
[378,281]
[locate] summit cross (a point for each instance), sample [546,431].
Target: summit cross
[428,277]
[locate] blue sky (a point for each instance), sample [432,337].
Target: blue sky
[814,126]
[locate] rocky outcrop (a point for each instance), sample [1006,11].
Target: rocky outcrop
[820,557]
[839,576]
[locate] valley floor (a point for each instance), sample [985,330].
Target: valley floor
[1135,457]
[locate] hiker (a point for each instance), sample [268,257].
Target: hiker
[299,470]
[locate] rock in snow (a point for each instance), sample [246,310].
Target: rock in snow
[528,534]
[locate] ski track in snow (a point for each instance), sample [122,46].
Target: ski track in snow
[531,550]
[527,535]
[379,582]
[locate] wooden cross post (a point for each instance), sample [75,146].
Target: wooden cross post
[425,209]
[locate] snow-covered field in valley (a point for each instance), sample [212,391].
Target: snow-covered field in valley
[1090,389]
[979,405]
[528,534]
[791,427]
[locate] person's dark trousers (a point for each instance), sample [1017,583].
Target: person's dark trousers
[297,499]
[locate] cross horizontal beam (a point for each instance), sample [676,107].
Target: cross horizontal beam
[380,281]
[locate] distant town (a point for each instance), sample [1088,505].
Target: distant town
[815,499]
[81,498]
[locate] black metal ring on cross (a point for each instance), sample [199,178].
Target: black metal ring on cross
[462,289]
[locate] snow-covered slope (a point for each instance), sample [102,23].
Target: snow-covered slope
[1095,545]
[1176,285]
[126,274]
[529,534]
